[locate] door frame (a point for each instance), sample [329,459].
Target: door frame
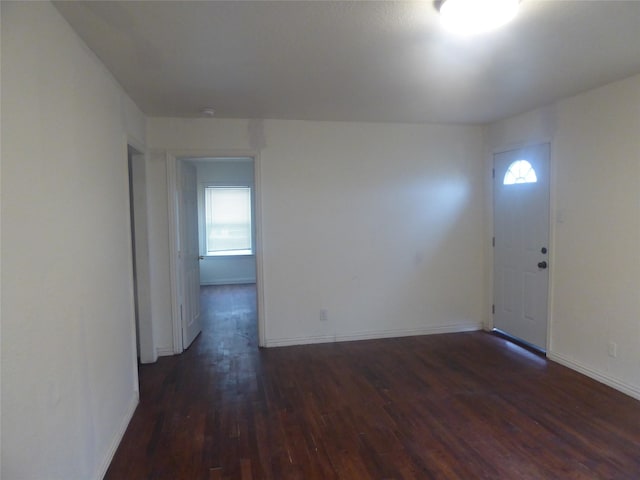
[138,202]
[489,325]
[174,205]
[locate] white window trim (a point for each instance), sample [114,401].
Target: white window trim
[203,219]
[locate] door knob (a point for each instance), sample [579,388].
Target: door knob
[200,257]
[542,265]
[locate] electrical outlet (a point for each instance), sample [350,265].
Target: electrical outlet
[324,316]
[613,349]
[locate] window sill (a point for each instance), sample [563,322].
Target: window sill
[228,255]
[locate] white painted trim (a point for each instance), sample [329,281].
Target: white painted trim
[520,145]
[234,281]
[136,144]
[164,351]
[209,155]
[227,257]
[130,260]
[258,252]
[146,340]
[172,157]
[115,442]
[455,328]
[488,224]
[553,212]
[612,382]
[174,255]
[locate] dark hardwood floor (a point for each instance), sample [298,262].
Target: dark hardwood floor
[453,406]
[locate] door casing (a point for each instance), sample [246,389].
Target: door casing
[172,159]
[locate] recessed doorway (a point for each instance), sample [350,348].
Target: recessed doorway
[222,227]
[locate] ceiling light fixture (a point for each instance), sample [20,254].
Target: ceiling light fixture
[469,17]
[208,112]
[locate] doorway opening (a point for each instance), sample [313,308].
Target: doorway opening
[217,241]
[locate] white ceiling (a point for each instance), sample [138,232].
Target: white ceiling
[354,60]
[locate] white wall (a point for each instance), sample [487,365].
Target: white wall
[595,260]
[379,224]
[69,378]
[224,270]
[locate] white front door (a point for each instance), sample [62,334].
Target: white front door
[189,253]
[521,252]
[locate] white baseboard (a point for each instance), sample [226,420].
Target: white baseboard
[623,387]
[102,471]
[431,330]
[165,351]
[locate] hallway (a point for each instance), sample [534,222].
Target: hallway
[173,424]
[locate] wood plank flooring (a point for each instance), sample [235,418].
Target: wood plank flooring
[453,406]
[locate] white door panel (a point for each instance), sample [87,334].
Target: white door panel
[189,253]
[521,228]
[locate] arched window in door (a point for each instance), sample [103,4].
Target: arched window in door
[520,171]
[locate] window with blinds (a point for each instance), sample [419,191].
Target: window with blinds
[228,220]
